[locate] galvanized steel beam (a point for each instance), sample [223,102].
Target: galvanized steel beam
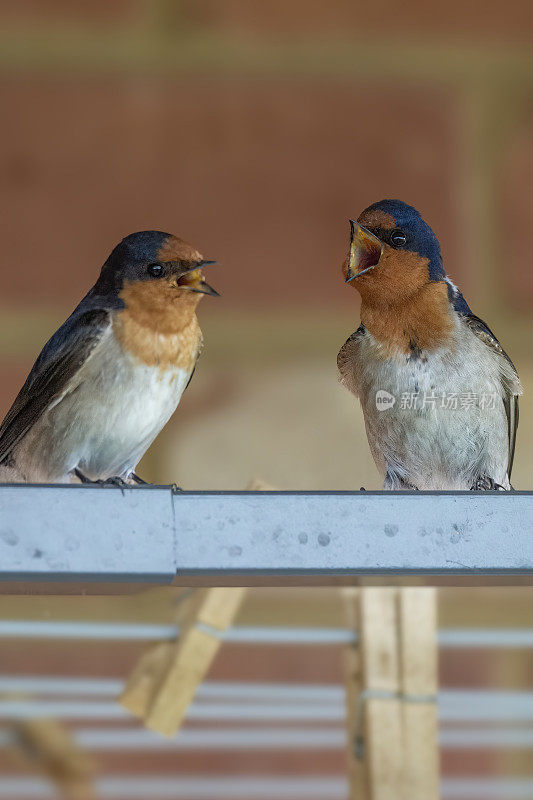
[77,534]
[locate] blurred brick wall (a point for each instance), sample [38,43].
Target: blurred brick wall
[517,204]
[417,18]
[262,176]
[261,172]
[476,21]
[52,13]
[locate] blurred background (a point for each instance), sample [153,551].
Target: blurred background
[256,131]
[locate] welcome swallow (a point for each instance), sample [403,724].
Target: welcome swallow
[439,394]
[111,376]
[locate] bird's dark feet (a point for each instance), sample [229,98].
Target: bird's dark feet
[486,484]
[139,481]
[83,478]
[114,480]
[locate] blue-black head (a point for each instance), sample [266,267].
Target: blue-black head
[393,253]
[148,256]
[402,227]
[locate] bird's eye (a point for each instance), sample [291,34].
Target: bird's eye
[398,238]
[155,270]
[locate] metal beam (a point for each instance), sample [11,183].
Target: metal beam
[128,631]
[168,787]
[448,638]
[222,787]
[75,535]
[275,739]
[317,704]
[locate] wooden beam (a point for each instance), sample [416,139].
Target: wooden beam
[357,773]
[45,746]
[419,678]
[391,682]
[379,718]
[162,686]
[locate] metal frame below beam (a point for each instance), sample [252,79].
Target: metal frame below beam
[73,536]
[261,787]
[447,638]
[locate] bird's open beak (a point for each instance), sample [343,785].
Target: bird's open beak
[194,280]
[365,251]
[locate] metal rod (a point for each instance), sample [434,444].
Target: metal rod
[194,788]
[118,787]
[487,789]
[497,738]
[214,739]
[460,638]
[212,690]
[320,704]
[318,738]
[149,534]
[45,629]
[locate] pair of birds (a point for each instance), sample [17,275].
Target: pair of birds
[109,379]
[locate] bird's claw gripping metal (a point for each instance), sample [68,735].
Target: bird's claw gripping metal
[114,480]
[486,484]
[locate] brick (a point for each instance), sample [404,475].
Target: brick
[63,13]
[262,175]
[386,18]
[517,179]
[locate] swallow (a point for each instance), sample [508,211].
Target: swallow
[439,394]
[112,375]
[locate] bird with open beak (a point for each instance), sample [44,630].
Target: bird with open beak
[439,394]
[111,376]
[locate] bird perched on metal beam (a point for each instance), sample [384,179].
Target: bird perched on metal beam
[111,376]
[439,394]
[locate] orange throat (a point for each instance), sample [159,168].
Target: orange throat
[159,325]
[423,321]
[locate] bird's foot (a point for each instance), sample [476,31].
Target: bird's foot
[486,484]
[82,478]
[135,479]
[175,488]
[114,480]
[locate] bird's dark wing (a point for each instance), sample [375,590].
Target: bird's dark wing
[508,377]
[346,358]
[53,374]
